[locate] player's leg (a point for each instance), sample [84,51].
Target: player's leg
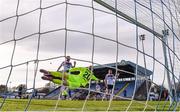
[105,94]
[55,77]
[52,73]
[69,93]
[110,87]
[57,81]
[57,74]
[45,72]
[49,78]
[63,80]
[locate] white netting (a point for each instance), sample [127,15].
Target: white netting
[125,36]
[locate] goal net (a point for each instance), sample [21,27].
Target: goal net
[138,40]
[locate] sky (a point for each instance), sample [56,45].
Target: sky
[79,45]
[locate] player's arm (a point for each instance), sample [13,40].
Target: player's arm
[94,78]
[105,81]
[74,64]
[60,66]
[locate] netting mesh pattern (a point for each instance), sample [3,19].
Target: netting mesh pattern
[37,34]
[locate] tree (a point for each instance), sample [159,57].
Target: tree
[3,88]
[21,89]
[21,86]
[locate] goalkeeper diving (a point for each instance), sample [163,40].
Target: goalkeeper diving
[75,78]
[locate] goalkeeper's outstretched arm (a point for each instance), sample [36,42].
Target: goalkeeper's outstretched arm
[60,66]
[94,78]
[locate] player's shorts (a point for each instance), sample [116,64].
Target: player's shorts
[110,86]
[74,81]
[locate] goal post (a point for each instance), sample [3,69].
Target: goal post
[103,38]
[111,6]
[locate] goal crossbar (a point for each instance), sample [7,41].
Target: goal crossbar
[130,19]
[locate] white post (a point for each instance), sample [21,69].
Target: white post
[142,38]
[164,41]
[27,75]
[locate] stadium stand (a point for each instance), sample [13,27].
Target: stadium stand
[125,81]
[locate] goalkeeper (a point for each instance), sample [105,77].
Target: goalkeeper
[75,78]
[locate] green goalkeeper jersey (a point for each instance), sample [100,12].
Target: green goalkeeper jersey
[82,75]
[77,77]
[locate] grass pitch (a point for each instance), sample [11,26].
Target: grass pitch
[68,105]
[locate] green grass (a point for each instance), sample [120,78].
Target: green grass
[68,105]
